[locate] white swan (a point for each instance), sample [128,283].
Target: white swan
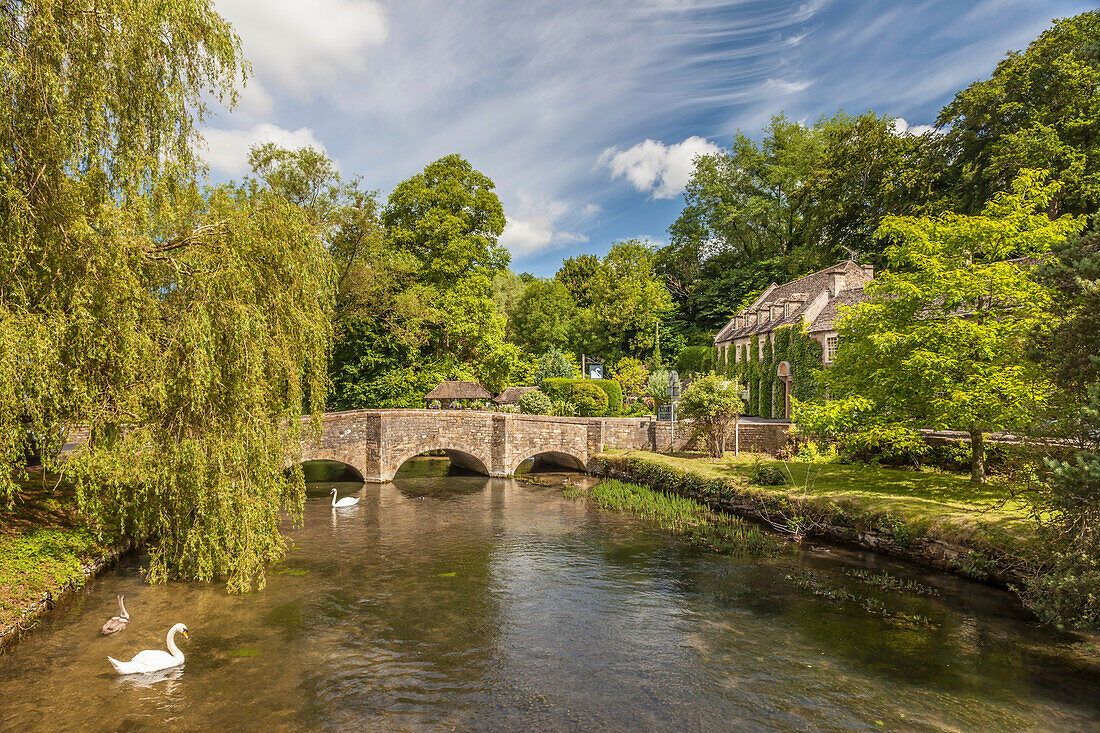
[116,623]
[153,660]
[346,501]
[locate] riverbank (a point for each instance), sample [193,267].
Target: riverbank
[932,518]
[47,549]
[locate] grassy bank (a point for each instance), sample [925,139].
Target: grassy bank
[905,507]
[46,545]
[681,515]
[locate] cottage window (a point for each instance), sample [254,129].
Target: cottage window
[830,348]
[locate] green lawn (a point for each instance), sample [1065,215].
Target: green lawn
[929,503]
[44,544]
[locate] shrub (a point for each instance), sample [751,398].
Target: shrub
[632,375]
[657,386]
[554,364]
[562,389]
[762,474]
[535,403]
[892,445]
[696,360]
[714,404]
[563,408]
[591,401]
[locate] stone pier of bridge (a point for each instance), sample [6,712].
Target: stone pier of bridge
[376,442]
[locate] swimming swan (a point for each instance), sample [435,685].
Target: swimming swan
[153,660]
[116,623]
[346,501]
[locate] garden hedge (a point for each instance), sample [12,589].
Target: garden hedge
[562,389]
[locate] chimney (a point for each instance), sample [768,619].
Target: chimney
[837,283]
[868,271]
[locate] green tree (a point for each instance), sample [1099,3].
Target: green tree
[449,218]
[186,331]
[1040,109]
[554,364]
[866,170]
[940,342]
[627,302]
[542,318]
[1068,343]
[714,405]
[632,375]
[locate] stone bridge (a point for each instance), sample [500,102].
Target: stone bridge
[376,442]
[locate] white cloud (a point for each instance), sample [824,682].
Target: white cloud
[300,45]
[525,236]
[788,87]
[901,127]
[652,166]
[227,150]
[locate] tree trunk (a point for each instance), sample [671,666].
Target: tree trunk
[977,457]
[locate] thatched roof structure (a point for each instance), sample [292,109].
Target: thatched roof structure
[511,395]
[459,391]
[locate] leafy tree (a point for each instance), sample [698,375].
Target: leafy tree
[632,375]
[554,364]
[577,274]
[535,403]
[507,289]
[865,171]
[1040,109]
[940,341]
[449,219]
[1068,343]
[1067,591]
[714,405]
[627,303]
[185,330]
[542,318]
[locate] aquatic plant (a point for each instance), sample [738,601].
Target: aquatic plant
[687,517]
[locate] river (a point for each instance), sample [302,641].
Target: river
[467,603]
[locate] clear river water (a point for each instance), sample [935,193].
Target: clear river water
[467,603]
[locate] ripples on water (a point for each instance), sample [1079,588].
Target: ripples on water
[444,603]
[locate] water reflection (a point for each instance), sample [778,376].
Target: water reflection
[444,601]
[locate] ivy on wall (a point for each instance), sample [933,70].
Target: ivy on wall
[791,344]
[767,379]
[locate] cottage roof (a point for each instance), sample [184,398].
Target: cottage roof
[801,292]
[831,313]
[459,391]
[511,395]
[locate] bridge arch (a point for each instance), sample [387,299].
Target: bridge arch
[466,459]
[564,458]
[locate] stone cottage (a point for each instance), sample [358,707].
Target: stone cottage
[764,345]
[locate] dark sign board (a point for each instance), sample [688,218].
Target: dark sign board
[664,413]
[595,371]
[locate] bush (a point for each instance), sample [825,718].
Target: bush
[762,474]
[563,408]
[696,360]
[562,389]
[535,403]
[892,445]
[657,386]
[632,375]
[713,403]
[554,364]
[591,401]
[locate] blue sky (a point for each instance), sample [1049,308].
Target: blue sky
[587,114]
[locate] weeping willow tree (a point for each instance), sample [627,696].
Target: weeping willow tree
[185,329]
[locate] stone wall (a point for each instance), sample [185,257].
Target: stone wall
[376,442]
